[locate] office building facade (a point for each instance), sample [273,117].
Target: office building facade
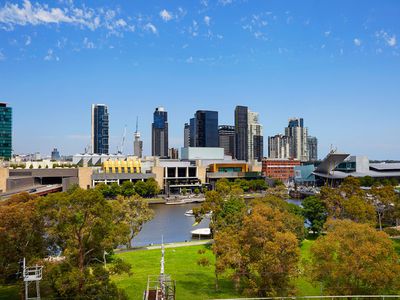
[5,131]
[204,129]
[159,145]
[312,145]
[55,155]
[298,134]
[255,137]
[241,132]
[186,135]
[137,145]
[227,139]
[100,129]
[279,146]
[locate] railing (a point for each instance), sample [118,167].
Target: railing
[33,273]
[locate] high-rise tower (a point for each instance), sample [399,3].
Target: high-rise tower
[5,131]
[159,145]
[100,129]
[137,143]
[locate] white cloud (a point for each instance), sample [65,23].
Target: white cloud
[88,44]
[190,60]
[194,29]
[327,33]
[166,15]
[225,2]
[207,20]
[150,27]
[357,42]
[51,56]
[28,41]
[34,14]
[2,56]
[390,40]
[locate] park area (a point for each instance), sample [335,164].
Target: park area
[193,281]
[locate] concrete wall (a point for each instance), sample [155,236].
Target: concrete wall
[3,179]
[194,153]
[85,177]
[159,173]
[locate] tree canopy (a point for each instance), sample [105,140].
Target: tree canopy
[354,259]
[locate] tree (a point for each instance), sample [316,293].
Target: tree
[366,181]
[152,187]
[223,187]
[127,189]
[134,212]
[315,212]
[354,259]
[212,204]
[141,188]
[348,201]
[21,233]
[114,190]
[104,189]
[384,199]
[264,254]
[82,224]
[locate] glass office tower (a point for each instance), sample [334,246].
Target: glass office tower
[206,128]
[100,129]
[159,145]
[5,131]
[241,129]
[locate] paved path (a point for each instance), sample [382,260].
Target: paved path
[170,245]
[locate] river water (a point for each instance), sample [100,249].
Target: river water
[171,223]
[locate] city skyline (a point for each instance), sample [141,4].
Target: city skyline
[333,64]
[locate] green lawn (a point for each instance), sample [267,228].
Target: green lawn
[8,292]
[192,281]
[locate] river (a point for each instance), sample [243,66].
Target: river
[171,223]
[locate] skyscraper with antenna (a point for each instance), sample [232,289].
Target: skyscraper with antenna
[138,143]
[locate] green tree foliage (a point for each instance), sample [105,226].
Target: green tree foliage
[315,212]
[133,212]
[21,233]
[385,202]
[82,224]
[152,187]
[349,201]
[355,259]
[127,189]
[141,188]
[263,254]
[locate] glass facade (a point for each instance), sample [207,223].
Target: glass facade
[241,129]
[227,139]
[206,128]
[100,129]
[159,146]
[5,131]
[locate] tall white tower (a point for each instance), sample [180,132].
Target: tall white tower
[137,144]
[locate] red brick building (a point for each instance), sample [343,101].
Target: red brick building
[281,169]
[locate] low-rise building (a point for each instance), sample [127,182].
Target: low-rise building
[280,169]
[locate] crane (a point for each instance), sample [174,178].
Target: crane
[120,149]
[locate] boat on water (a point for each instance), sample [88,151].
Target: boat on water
[189,213]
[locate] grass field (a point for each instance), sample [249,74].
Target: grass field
[192,281]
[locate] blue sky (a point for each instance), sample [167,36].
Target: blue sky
[334,63]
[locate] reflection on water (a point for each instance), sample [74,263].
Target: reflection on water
[170,222]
